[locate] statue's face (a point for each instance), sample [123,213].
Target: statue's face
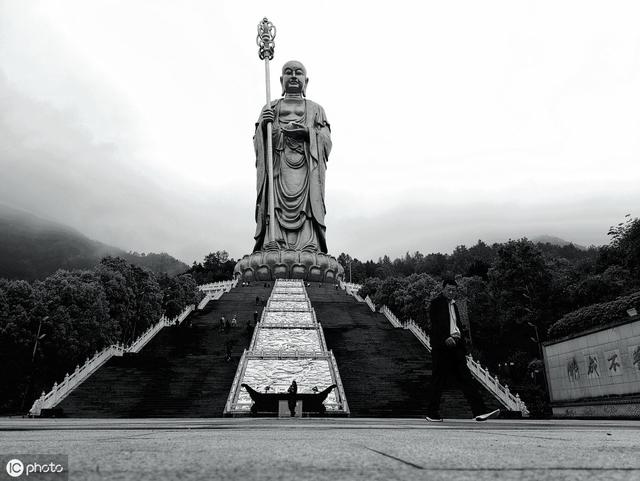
[294,77]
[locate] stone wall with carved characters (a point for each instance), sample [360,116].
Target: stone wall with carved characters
[594,365]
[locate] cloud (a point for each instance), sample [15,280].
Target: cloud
[52,166]
[464,123]
[441,226]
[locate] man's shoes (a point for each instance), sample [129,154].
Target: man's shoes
[434,418]
[484,417]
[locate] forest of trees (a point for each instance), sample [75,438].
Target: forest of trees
[511,287]
[48,327]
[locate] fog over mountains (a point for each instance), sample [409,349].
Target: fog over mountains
[32,248]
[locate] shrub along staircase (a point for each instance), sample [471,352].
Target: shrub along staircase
[386,371]
[181,372]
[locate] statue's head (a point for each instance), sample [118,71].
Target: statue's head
[294,78]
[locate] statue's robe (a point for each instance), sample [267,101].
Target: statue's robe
[299,168]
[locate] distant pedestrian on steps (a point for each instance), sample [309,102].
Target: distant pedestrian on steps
[228,348]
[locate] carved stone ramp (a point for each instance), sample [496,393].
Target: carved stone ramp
[288,344]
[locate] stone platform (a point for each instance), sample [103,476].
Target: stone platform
[269,265]
[331,449]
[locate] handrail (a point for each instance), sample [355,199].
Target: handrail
[232,399]
[351,286]
[370,303]
[336,378]
[71,381]
[352,289]
[417,331]
[502,393]
[219,285]
[395,322]
[213,295]
[146,336]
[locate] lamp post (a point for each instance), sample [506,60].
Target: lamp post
[537,339]
[540,353]
[33,359]
[38,337]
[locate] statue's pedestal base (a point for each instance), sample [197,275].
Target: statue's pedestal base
[269,265]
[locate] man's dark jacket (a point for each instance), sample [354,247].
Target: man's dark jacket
[441,327]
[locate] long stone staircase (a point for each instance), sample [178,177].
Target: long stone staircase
[181,372]
[386,372]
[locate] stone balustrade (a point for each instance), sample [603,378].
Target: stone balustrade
[214,291]
[418,332]
[224,285]
[349,286]
[512,402]
[71,381]
[370,303]
[395,322]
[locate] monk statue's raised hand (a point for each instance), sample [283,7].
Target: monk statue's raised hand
[267,115]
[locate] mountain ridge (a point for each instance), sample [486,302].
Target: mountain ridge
[32,248]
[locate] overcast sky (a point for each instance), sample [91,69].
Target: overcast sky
[132,121]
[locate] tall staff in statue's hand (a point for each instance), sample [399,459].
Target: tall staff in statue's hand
[266,34]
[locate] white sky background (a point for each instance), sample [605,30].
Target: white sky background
[132,121]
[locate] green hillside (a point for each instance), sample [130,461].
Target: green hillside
[33,248]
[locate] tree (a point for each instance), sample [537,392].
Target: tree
[178,293]
[147,301]
[217,266]
[624,248]
[519,283]
[116,276]
[18,330]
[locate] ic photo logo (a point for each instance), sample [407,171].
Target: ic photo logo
[38,466]
[15,468]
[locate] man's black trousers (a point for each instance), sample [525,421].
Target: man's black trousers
[452,362]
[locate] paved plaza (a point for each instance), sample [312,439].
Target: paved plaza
[332,449]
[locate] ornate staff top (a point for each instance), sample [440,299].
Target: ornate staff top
[266,34]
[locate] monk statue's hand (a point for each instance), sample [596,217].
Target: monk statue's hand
[267,115]
[450,342]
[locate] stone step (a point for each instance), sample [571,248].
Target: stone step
[384,369]
[182,372]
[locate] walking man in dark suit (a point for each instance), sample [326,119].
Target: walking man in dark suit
[449,356]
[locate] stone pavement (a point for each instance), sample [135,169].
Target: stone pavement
[331,449]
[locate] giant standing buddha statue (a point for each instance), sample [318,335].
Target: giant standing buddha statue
[292,144]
